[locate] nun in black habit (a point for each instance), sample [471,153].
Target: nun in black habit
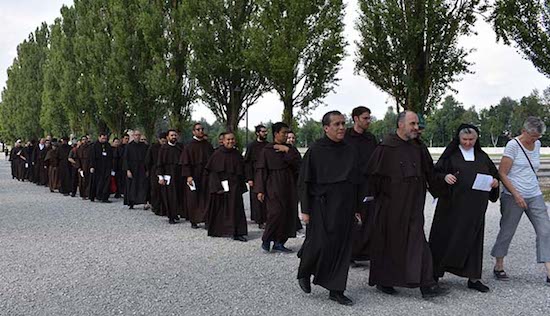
[456,236]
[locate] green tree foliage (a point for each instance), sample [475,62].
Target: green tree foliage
[221,37]
[527,24]
[300,48]
[22,96]
[409,49]
[387,125]
[53,116]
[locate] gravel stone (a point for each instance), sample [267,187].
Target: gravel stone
[65,256]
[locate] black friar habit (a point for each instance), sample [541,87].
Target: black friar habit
[364,144]
[276,179]
[193,160]
[17,163]
[65,169]
[101,159]
[40,172]
[328,193]
[29,168]
[151,159]
[120,174]
[83,164]
[168,164]
[52,162]
[456,237]
[225,210]
[257,209]
[133,160]
[399,175]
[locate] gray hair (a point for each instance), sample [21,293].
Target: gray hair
[467,130]
[534,124]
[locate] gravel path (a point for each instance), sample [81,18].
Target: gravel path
[64,256]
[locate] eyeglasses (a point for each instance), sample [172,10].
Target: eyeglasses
[199,129]
[535,135]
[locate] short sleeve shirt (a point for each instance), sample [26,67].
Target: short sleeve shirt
[521,174]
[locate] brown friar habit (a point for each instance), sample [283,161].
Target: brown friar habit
[168,164]
[225,210]
[74,171]
[364,144]
[456,237]
[276,178]
[41,173]
[193,160]
[154,194]
[257,209]
[133,160]
[83,164]
[101,159]
[52,162]
[64,170]
[399,172]
[328,186]
[120,175]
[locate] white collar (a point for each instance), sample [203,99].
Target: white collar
[468,154]
[169,143]
[197,139]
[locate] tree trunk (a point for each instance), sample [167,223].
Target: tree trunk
[288,115]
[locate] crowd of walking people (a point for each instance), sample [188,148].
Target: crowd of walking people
[360,199]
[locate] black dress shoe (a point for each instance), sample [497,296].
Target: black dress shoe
[548,281]
[171,221]
[194,226]
[266,246]
[106,201]
[73,194]
[433,291]
[478,286]
[240,238]
[305,284]
[386,289]
[340,298]
[131,207]
[280,247]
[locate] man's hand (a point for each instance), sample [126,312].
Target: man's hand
[92,170]
[305,218]
[250,183]
[129,174]
[189,180]
[358,217]
[162,181]
[494,184]
[281,148]
[261,197]
[450,179]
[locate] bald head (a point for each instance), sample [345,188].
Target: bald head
[407,125]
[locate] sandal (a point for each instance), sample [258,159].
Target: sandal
[501,275]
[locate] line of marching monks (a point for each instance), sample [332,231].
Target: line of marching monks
[360,199]
[190,181]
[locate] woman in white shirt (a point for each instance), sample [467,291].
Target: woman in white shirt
[521,193]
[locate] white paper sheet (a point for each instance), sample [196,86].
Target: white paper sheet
[482,182]
[113,173]
[225,185]
[368,199]
[192,186]
[82,173]
[167,178]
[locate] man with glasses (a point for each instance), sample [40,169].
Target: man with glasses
[193,160]
[257,209]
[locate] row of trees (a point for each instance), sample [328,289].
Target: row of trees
[114,64]
[497,123]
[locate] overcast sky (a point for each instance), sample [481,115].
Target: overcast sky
[499,70]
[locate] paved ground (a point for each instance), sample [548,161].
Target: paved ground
[65,256]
